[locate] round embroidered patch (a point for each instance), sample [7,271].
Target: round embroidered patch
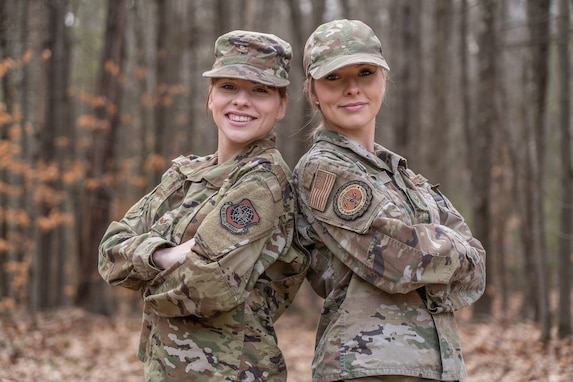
[352,200]
[237,218]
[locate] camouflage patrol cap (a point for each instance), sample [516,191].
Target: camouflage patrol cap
[259,57]
[339,43]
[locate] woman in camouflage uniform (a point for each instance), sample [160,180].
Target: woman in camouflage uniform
[212,247]
[390,255]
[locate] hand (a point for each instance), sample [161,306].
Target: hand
[166,257]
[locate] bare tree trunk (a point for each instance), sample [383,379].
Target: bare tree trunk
[438,138]
[222,16]
[538,21]
[299,118]
[163,126]
[204,137]
[5,226]
[502,191]
[481,140]
[90,293]
[57,124]
[346,9]
[33,110]
[49,263]
[145,87]
[566,234]
[318,8]
[407,70]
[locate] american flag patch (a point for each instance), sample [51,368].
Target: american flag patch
[320,191]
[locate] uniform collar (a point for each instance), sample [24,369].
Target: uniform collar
[207,168]
[390,160]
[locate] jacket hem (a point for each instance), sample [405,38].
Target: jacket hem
[390,371]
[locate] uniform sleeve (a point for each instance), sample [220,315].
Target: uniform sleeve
[236,242]
[126,247]
[358,225]
[468,281]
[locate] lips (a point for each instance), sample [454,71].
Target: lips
[239,117]
[354,106]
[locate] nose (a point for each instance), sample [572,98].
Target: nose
[241,98]
[351,87]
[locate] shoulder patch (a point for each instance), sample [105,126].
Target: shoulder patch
[321,188]
[352,200]
[238,217]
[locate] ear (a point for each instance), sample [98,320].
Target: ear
[282,109]
[311,94]
[209,102]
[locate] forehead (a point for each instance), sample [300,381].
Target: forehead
[239,82]
[355,69]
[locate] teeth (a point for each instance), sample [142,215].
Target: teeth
[239,118]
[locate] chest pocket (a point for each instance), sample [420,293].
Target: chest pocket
[422,198]
[184,210]
[192,211]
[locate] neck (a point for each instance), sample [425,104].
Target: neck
[364,136]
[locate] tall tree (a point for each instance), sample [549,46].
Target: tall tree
[170,44]
[11,135]
[48,267]
[222,16]
[481,138]
[501,190]
[298,117]
[566,233]
[101,157]
[537,75]
[407,71]
[439,134]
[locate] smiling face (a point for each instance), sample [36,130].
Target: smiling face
[244,111]
[349,99]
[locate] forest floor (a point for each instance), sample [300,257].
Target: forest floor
[71,345]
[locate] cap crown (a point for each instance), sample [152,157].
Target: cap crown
[253,56]
[340,43]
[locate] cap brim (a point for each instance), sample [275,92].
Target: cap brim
[323,70]
[246,72]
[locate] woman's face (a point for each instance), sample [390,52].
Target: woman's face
[350,98]
[243,111]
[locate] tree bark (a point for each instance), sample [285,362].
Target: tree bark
[438,136]
[407,69]
[538,21]
[566,233]
[48,267]
[480,142]
[90,293]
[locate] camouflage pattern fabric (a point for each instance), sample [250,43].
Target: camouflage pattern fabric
[393,260]
[341,43]
[258,57]
[210,317]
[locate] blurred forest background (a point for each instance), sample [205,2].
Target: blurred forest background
[97,96]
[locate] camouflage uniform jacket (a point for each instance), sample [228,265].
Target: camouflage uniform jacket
[391,257]
[210,317]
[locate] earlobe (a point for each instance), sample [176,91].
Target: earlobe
[314,99]
[282,110]
[311,94]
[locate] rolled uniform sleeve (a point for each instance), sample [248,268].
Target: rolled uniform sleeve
[126,248]
[392,252]
[236,242]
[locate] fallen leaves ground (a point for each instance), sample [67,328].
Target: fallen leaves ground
[71,345]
